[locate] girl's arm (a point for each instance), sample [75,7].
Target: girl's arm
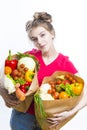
[66,114]
[9,99]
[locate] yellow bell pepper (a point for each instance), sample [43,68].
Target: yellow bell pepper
[77,88]
[29,75]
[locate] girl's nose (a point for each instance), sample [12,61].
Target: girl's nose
[39,41]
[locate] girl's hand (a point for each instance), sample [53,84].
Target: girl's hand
[56,119]
[10,99]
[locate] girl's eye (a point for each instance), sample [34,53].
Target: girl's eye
[42,35]
[34,39]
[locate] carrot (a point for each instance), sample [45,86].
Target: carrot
[20,95]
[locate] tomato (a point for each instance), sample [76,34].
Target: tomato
[23,88]
[67,76]
[28,83]
[70,78]
[77,88]
[50,91]
[56,95]
[63,95]
[66,82]
[7,70]
[58,81]
[73,81]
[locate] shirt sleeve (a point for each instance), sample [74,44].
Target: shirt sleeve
[69,66]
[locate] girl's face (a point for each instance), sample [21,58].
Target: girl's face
[42,38]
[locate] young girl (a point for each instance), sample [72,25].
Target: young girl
[41,32]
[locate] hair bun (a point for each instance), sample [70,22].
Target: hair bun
[42,16]
[28,25]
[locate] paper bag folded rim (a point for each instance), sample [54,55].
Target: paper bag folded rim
[57,106]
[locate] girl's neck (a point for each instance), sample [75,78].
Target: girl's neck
[50,56]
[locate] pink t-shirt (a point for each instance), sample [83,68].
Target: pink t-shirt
[61,63]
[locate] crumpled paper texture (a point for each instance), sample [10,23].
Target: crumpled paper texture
[56,106]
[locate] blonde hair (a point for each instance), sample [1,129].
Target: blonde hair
[40,19]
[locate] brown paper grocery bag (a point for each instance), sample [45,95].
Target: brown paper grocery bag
[56,106]
[23,106]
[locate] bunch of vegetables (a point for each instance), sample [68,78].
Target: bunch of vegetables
[19,71]
[62,86]
[59,92]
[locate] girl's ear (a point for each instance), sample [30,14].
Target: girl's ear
[53,37]
[53,34]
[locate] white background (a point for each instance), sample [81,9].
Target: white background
[70,23]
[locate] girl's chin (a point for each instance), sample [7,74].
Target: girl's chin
[45,50]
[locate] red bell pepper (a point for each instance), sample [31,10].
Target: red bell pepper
[11,62]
